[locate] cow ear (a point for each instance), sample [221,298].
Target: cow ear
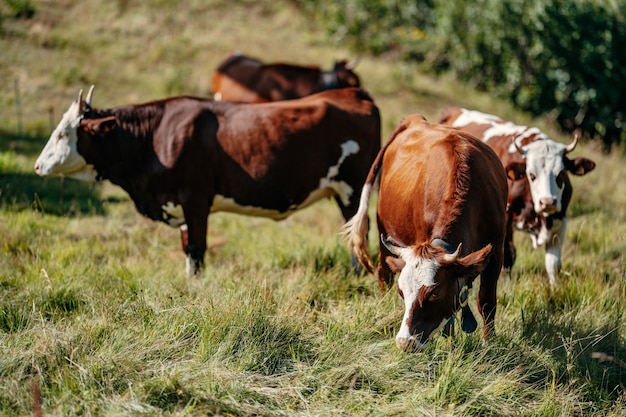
[396,264]
[473,264]
[579,166]
[515,170]
[99,126]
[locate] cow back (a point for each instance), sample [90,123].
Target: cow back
[437,182]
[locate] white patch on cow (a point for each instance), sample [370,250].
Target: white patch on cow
[173,214]
[417,273]
[498,127]
[528,132]
[343,190]
[60,155]
[217,96]
[468,117]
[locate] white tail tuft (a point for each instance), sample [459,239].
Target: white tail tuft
[356,229]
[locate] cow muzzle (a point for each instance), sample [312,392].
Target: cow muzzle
[410,343]
[548,205]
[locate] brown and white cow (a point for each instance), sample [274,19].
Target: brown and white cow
[181,158]
[243,79]
[441,213]
[539,188]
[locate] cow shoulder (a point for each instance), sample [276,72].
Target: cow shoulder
[184,124]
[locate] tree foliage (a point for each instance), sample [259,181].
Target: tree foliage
[547,56]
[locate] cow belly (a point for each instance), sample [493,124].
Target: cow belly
[227,204]
[173,215]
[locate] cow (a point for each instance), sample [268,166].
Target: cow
[243,79]
[441,213]
[540,189]
[181,158]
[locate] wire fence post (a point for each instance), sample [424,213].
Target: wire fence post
[18,107]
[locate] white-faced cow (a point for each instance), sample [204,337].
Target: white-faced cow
[181,158]
[441,214]
[539,187]
[243,79]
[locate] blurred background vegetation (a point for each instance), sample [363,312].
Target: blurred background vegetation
[563,58]
[557,58]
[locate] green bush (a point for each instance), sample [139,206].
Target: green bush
[559,56]
[547,56]
[17,8]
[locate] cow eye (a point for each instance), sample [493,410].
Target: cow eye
[532,176]
[560,179]
[434,295]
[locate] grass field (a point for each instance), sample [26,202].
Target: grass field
[97,312]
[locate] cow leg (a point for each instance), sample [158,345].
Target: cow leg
[553,250]
[487,295]
[383,271]
[194,243]
[509,246]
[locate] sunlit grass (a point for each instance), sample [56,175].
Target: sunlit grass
[95,304]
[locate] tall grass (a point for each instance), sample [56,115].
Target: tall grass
[96,309]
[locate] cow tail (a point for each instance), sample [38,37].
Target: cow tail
[356,229]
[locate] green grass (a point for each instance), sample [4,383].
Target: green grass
[95,305]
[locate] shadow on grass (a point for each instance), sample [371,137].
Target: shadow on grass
[58,196]
[582,350]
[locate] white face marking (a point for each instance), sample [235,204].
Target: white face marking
[544,163]
[60,155]
[417,273]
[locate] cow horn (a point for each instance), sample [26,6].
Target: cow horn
[451,257]
[352,64]
[79,99]
[572,145]
[519,148]
[393,246]
[89,95]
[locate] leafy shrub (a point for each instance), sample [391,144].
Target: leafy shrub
[546,56]
[559,56]
[18,8]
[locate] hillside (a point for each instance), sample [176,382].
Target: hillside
[97,312]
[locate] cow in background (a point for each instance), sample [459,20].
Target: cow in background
[182,158]
[441,219]
[539,186]
[243,79]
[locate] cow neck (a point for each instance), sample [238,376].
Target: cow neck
[128,142]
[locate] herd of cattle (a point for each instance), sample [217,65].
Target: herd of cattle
[275,138]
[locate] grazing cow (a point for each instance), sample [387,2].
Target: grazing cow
[539,187]
[441,213]
[243,79]
[181,158]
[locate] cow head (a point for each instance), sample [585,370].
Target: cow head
[345,75]
[433,282]
[546,169]
[60,155]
